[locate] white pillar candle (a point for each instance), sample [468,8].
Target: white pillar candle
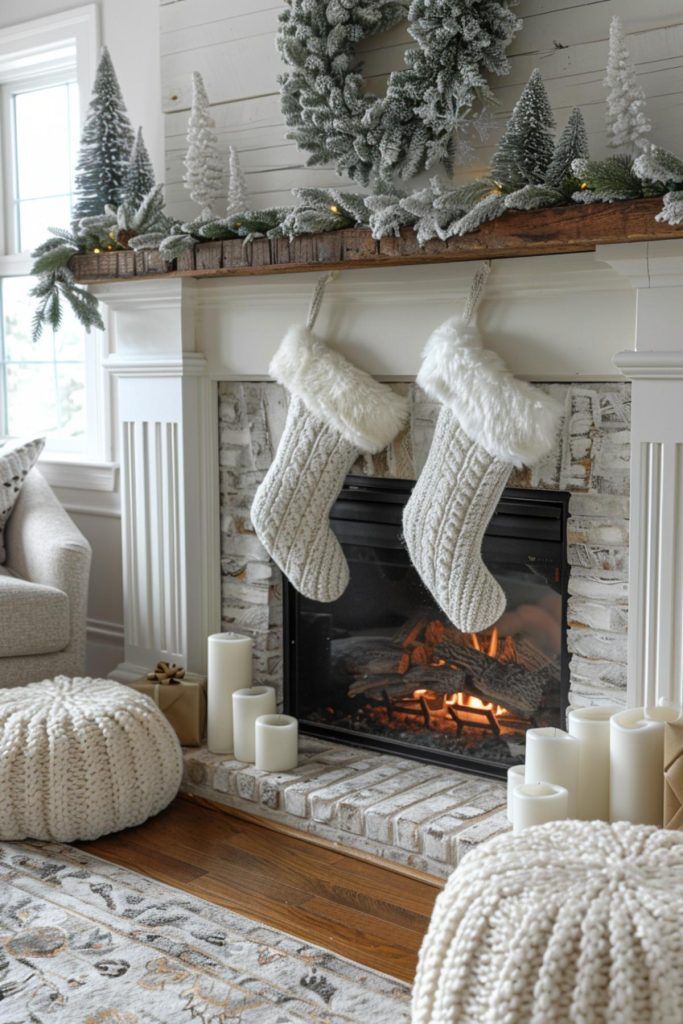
[277,743]
[637,764]
[552,755]
[230,656]
[534,803]
[515,778]
[247,705]
[590,726]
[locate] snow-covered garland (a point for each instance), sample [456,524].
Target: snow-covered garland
[120,207]
[431,104]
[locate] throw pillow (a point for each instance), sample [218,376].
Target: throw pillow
[17,459]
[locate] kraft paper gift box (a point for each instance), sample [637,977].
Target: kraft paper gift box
[183,704]
[673,775]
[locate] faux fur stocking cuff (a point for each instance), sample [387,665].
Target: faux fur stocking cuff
[365,412]
[508,417]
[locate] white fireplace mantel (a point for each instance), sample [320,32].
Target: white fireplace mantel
[551,318]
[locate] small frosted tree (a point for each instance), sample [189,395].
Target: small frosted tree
[106,143]
[627,122]
[526,148]
[203,173]
[571,145]
[139,179]
[238,200]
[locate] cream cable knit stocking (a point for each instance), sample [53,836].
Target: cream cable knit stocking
[336,412]
[489,423]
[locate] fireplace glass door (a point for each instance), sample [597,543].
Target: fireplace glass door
[384,667]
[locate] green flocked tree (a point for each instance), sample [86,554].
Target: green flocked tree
[527,146]
[139,179]
[106,143]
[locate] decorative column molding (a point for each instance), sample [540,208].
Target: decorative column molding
[168,445]
[655,366]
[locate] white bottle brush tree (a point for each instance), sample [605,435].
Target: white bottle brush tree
[203,169]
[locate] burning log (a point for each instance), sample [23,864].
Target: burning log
[504,683]
[419,677]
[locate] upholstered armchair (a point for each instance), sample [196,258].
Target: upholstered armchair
[43,589]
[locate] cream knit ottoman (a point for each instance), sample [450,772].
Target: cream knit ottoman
[573,921]
[82,757]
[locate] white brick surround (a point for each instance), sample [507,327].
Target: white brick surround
[421,816]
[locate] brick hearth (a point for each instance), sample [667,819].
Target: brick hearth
[418,815]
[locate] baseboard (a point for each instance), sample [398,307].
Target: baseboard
[104,646]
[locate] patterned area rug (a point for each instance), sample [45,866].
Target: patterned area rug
[85,942]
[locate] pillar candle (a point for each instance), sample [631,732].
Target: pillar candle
[247,705]
[229,670]
[277,743]
[515,778]
[534,803]
[552,755]
[591,728]
[637,764]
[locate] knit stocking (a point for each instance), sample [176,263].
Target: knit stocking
[336,412]
[489,422]
[291,507]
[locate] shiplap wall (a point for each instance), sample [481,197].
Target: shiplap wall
[232,43]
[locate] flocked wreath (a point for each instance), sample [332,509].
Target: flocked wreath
[430,105]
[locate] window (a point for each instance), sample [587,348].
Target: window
[42,121]
[54,386]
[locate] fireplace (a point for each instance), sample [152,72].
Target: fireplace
[383,667]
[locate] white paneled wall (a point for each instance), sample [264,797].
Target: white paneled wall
[232,43]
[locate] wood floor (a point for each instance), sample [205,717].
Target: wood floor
[362,911]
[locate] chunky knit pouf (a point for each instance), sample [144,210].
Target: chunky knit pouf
[566,923]
[82,757]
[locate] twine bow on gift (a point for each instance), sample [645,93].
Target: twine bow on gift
[166,673]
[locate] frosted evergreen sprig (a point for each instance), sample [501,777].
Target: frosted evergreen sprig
[387,215]
[657,164]
[55,282]
[672,208]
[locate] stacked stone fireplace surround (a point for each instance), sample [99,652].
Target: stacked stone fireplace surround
[417,815]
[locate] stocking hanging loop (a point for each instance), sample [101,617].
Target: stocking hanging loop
[476,291]
[317,298]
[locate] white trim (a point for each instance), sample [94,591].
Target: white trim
[91,510]
[102,631]
[79,474]
[190,364]
[22,45]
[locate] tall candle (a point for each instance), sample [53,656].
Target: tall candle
[534,803]
[515,779]
[552,755]
[591,728]
[637,764]
[247,705]
[277,743]
[229,670]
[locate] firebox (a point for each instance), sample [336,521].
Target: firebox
[384,668]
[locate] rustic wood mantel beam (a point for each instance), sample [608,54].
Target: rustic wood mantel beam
[565,229]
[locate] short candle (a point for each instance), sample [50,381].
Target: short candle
[535,803]
[277,743]
[247,706]
[515,779]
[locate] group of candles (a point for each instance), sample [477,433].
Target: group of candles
[608,765]
[242,719]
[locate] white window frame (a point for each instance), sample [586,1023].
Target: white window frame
[71,39]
